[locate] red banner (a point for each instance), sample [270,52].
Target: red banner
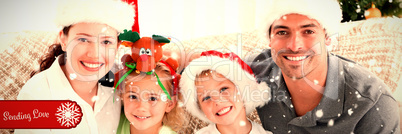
[39,114]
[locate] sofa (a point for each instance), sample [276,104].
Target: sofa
[373,43]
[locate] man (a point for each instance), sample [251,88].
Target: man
[314,91]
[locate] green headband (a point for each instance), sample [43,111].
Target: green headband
[132,66]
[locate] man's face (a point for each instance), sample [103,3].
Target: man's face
[298,45]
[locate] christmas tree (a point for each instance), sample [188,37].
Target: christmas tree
[353,10]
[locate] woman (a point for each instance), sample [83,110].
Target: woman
[86,53]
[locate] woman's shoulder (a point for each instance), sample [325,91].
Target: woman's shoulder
[35,88]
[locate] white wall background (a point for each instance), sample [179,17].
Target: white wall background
[21,15]
[185,19]
[181,19]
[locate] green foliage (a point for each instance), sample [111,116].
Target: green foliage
[353,10]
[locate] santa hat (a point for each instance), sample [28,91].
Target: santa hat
[114,13]
[327,12]
[231,67]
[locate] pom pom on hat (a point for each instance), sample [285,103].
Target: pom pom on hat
[114,13]
[327,12]
[229,65]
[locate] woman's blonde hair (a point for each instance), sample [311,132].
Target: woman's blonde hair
[176,118]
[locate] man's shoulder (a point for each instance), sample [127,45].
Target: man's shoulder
[367,96]
[264,55]
[362,81]
[262,63]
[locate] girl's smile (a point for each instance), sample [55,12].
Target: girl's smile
[141,117]
[224,111]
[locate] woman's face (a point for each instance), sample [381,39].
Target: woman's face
[91,50]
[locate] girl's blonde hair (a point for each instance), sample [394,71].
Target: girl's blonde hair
[176,118]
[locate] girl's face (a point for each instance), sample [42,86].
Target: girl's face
[91,50]
[145,103]
[219,99]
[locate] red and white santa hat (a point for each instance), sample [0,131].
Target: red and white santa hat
[229,65]
[327,12]
[115,13]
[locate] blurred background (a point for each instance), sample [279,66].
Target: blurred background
[178,18]
[182,19]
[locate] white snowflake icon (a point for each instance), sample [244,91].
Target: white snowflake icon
[69,114]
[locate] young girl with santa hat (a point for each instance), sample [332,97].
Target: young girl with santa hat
[220,88]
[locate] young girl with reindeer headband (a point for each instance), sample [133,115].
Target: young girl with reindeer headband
[149,88]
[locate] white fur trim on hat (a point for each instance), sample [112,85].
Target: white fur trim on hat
[114,13]
[253,94]
[327,12]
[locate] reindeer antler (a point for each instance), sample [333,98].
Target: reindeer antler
[129,36]
[160,39]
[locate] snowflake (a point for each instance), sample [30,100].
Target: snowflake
[319,113]
[69,114]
